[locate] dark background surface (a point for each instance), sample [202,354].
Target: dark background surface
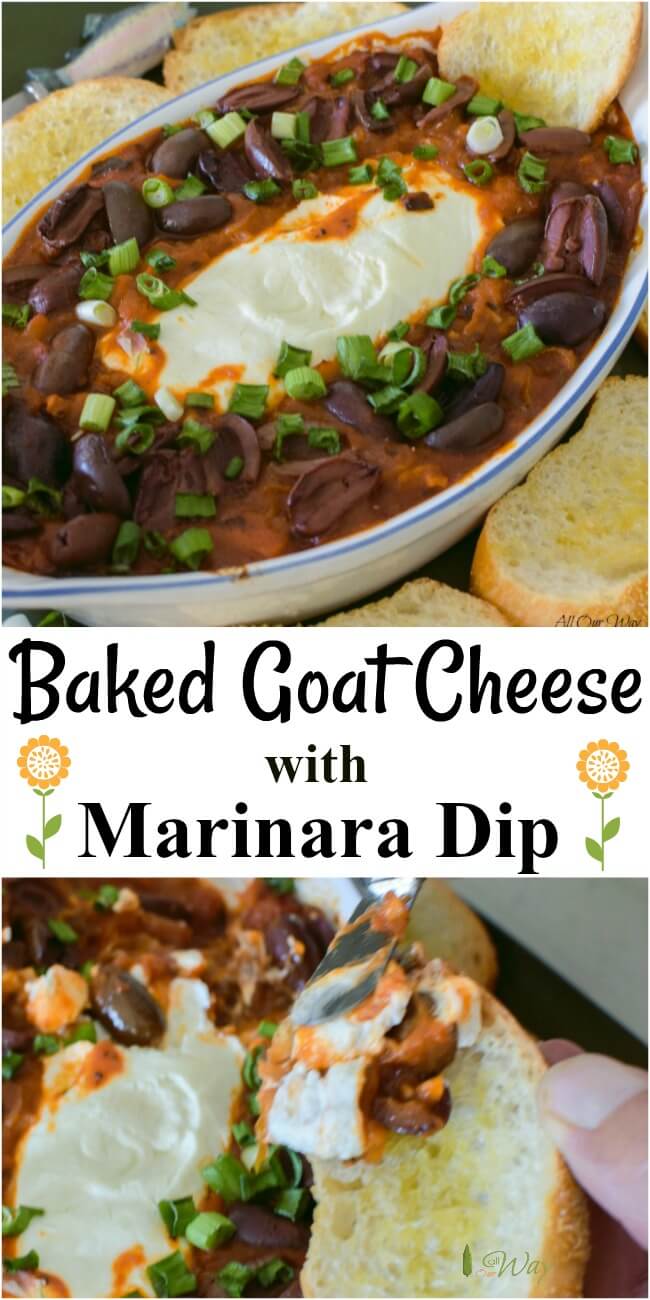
[40,34]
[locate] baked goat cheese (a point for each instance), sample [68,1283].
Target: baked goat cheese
[121,1128]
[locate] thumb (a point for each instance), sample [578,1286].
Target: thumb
[595,1109]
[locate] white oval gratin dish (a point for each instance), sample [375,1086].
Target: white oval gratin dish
[298,586]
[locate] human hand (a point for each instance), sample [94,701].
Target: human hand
[595,1109]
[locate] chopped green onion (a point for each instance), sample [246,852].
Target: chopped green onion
[418,414]
[342,77]
[54,618]
[94,259]
[337,152]
[531,173]
[468,365]
[159,295]
[305,384]
[191,547]
[484,106]
[304,189]
[154,543]
[46,1045]
[620,150]
[124,555]
[41,497]
[170,129]
[62,931]
[209,1230]
[194,505]
[286,426]
[243,1134]
[9,378]
[460,287]
[190,188]
[170,406]
[94,311]
[171,1277]
[379,111]
[261,191]
[524,122]
[199,399]
[274,1273]
[176,1215]
[86,969]
[304,157]
[492,269]
[226,129]
[22,1263]
[82,1033]
[135,438]
[16,316]
[107,895]
[11,497]
[160,260]
[291,1203]
[360,175]
[290,73]
[157,193]
[478,172]
[204,117]
[97,413]
[356,355]
[289,358]
[283,126]
[123,258]
[523,344]
[325,439]
[425,152]
[399,331]
[437,91]
[389,179]
[249,400]
[234,1277]
[146,328]
[267,1028]
[281,884]
[234,467]
[249,1069]
[407,363]
[15,1221]
[227,1176]
[295,1161]
[405,70]
[11,1063]
[386,400]
[130,394]
[395,190]
[194,434]
[94,284]
[253,1104]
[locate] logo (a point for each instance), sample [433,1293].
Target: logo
[44,763]
[496,1264]
[603,766]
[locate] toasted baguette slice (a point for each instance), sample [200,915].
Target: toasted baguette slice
[422,603]
[564,63]
[569,547]
[641,331]
[39,143]
[231,38]
[446,927]
[491,1180]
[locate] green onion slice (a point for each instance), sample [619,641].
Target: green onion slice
[197,435]
[478,172]
[260,191]
[16,316]
[620,150]
[123,258]
[125,553]
[379,111]
[190,188]
[289,358]
[249,400]
[209,1230]
[523,344]
[130,394]
[176,1215]
[342,77]
[304,189]
[467,365]
[171,1277]
[234,467]
[94,284]
[227,1176]
[418,415]
[425,152]
[194,505]
[338,152]
[360,175]
[9,378]
[405,70]
[492,269]
[191,547]
[290,73]
[305,384]
[97,412]
[286,426]
[159,295]
[160,260]
[437,91]
[42,498]
[484,106]
[531,173]
[200,399]
[146,328]
[11,1063]
[226,130]
[62,931]
[11,497]
[157,193]
[460,287]
[524,122]
[325,439]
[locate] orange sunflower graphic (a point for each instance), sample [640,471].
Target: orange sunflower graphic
[603,766]
[44,763]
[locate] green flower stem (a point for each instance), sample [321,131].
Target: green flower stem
[43,829]
[602,833]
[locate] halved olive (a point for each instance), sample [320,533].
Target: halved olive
[125,1007]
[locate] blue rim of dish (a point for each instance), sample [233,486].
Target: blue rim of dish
[117,587]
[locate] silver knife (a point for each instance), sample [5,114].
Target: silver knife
[124,44]
[357,957]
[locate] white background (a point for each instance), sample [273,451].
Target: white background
[199,766]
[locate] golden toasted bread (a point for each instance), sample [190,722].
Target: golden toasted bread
[446,927]
[569,547]
[422,603]
[562,62]
[41,141]
[445,1215]
[233,37]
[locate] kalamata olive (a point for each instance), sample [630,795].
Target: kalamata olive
[613,207]
[247,445]
[56,290]
[349,404]
[281,938]
[382,61]
[189,217]
[564,319]
[395,93]
[127,213]
[555,139]
[516,245]
[100,485]
[319,112]
[258,1226]
[18,280]
[65,368]
[16,1040]
[265,155]
[541,285]
[86,540]
[418,1044]
[162,905]
[37,935]
[33,898]
[506,121]
[177,155]
[486,388]
[34,447]
[125,1007]
[594,238]
[259,97]
[340,119]
[227,172]
[293,1290]
[566,190]
[436,365]
[19,523]
[413,1116]
[67,218]
[576,237]
[168,473]
[364,115]
[113,164]
[465,90]
[467,431]
[324,494]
